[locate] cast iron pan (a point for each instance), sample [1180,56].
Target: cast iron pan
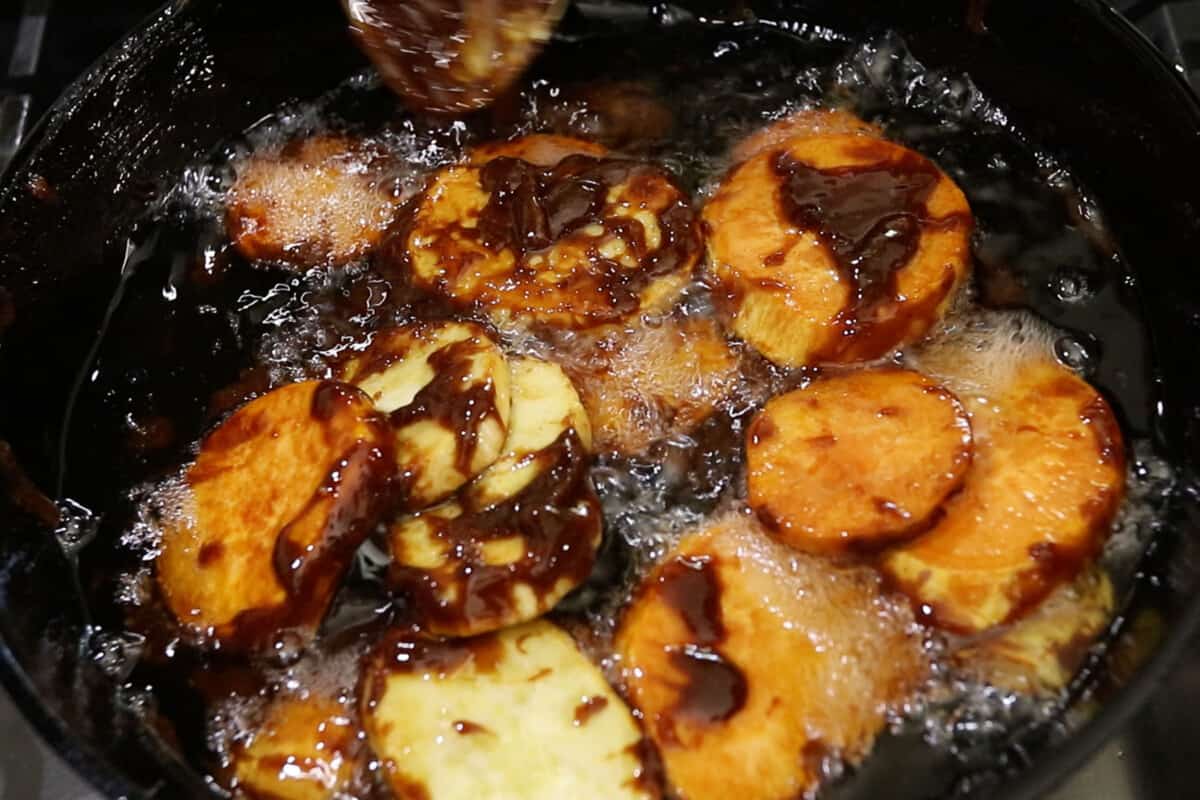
[1071,73]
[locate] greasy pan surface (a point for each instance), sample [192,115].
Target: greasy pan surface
[1072,75]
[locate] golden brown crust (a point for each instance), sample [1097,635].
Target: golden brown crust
[281,495]
[1048,477]
[305,749]
[750,663]
[807,122]
[836,248]
[858,461]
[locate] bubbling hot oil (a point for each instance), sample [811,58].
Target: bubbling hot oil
[1040,244]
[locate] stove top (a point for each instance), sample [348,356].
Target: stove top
[44,44]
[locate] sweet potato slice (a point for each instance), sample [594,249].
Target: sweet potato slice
[281,495]
[514,541]
[1047,479]
[582,242]
[515,714]
[751,663]
[444,388]
[836,248]
[856,461]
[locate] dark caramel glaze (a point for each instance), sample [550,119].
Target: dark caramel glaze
[712,689]
[531,209]
[557,516]
[871,219]
[358,485]
[588,708]
[445,400]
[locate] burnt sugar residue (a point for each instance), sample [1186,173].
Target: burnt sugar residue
[465,727]
[712,688]
[871,217]
[558,519]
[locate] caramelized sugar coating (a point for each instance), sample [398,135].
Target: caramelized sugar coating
[857,461]
[1040,653]
[750,662]
[512,543]
[452,56]
[515,714]
[807,122]
[584,242]
[306,749]
[281,495]
[643,383]
[444,388]
[836,248]
[1048,476]
[321,201]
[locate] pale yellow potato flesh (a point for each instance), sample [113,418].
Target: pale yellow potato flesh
[445,388]
[750,663]
[515,715]
[515,540]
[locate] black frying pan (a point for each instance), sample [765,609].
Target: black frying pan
[1071,73]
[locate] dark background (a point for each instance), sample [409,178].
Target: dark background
[44,44]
